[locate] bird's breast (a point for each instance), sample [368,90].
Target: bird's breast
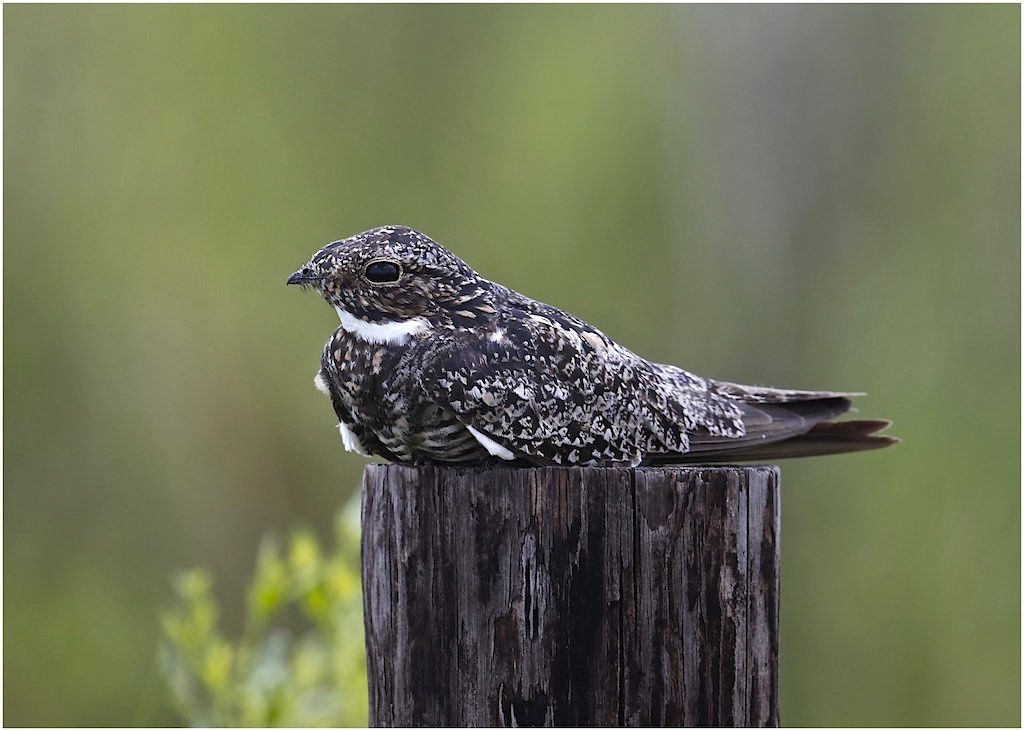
[380,385]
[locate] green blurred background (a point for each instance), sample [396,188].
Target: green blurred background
[816,197]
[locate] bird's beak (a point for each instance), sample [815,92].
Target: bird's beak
[300,277]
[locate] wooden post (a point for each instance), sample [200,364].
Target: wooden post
[555,596]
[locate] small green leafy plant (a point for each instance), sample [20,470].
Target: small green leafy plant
[275,674]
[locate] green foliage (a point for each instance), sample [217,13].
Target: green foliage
[277,673]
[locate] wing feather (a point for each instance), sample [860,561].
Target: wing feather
[555,390]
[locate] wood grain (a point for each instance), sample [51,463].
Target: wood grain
[571,596]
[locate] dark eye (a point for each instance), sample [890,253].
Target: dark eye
[383,272]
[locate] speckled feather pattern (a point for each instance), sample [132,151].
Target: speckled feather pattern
[544,386]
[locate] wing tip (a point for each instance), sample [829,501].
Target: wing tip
[827,437]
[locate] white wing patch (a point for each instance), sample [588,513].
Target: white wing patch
[321,383]
[395,332]
[490,445]
[350,440]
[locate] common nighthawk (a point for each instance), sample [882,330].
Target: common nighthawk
[435,364]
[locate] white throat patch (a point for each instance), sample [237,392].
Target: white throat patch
[396,332]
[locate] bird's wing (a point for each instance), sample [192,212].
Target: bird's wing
[779,423]
[553,390]
[826,437]
[768,395]
[764,423]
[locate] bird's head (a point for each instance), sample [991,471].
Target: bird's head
[395,281]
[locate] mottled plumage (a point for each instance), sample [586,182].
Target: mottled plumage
[434,363]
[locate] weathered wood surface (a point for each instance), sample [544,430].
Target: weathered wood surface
[571,596]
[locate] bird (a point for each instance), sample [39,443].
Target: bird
[434,364]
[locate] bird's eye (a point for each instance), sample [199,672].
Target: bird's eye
[383,272]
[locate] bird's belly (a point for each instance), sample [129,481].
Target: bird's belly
[430,433]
